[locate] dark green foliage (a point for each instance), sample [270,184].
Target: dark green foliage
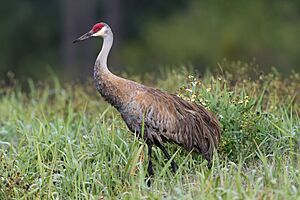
[207,31]
[153,34]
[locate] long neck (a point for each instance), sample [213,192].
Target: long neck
[105,81]
[101,62]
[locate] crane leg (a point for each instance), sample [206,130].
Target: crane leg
[150,168]
[209,162]
[167,155]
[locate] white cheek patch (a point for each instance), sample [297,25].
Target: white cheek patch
[100,33]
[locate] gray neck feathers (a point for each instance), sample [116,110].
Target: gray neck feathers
[101,62]
[102,76]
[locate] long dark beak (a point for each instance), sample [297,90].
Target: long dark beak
[84,37]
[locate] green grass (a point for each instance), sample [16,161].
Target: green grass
[65,142]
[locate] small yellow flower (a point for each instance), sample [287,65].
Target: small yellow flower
[189,90]
[193,98]
[208,89]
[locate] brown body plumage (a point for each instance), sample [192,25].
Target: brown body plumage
[166,117]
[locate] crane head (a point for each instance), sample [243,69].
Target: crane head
[99,30]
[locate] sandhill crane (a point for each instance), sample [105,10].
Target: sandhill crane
[166,117]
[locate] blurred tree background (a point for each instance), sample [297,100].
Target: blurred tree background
[37,35]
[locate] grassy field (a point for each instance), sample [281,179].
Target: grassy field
[63,142]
